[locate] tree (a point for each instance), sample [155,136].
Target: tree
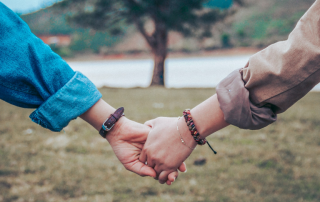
[189,17]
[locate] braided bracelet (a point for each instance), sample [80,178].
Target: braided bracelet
[194,132]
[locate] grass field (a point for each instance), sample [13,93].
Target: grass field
[278,163]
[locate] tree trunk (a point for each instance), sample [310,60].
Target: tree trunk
[158,43]
[158,71]
[159,50]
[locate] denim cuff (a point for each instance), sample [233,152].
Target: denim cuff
[237,107]
[72,100]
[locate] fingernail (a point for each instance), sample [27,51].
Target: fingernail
[174,179]
[186,171]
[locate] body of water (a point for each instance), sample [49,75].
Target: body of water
[179,72]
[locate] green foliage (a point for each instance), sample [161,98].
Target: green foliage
[62,51]
[47,21]
[225,40]
[52,21]
[223,4]
[185,16]
[260,24]
[273,24]
[93,40]
[255,27]
[111,18]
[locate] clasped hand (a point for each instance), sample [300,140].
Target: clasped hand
[128,141]
[167,146]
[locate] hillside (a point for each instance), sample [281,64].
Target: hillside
[49,21]
[258,24]
[265,22]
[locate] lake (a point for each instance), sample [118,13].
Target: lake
[200,72]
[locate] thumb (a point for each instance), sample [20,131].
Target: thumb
[141,169]
[147,171]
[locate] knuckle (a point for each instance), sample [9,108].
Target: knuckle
[145,149]
[156,160]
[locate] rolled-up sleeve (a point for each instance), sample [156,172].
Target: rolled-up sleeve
[33,76]
[69,102]
[276,77]
[237,108]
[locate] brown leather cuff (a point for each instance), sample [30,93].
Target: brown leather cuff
[237,108]
[111,121]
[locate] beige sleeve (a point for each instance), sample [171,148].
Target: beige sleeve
[236,106]
[274,78]
[284,72]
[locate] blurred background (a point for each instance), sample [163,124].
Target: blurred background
[141,55]
[207,38]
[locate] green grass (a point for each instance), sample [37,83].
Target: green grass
[278,163]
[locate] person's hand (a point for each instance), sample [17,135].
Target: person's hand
[164,150]
[127,139]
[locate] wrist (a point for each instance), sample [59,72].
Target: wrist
[208,117]
[193,129]
[186,134]
[115,132]
[199,122]
[98,114]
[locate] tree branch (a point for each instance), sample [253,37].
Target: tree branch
[150,39]
[141,29]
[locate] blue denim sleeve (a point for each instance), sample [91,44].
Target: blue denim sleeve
[33,76]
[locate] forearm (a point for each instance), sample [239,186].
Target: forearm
[98,114]
[208,117]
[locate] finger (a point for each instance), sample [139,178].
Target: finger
[144,159]
[158,170]
[172,177]
[183,167]
[149,123]
[163,177]
[151,163]
[143,156]
[141,169]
